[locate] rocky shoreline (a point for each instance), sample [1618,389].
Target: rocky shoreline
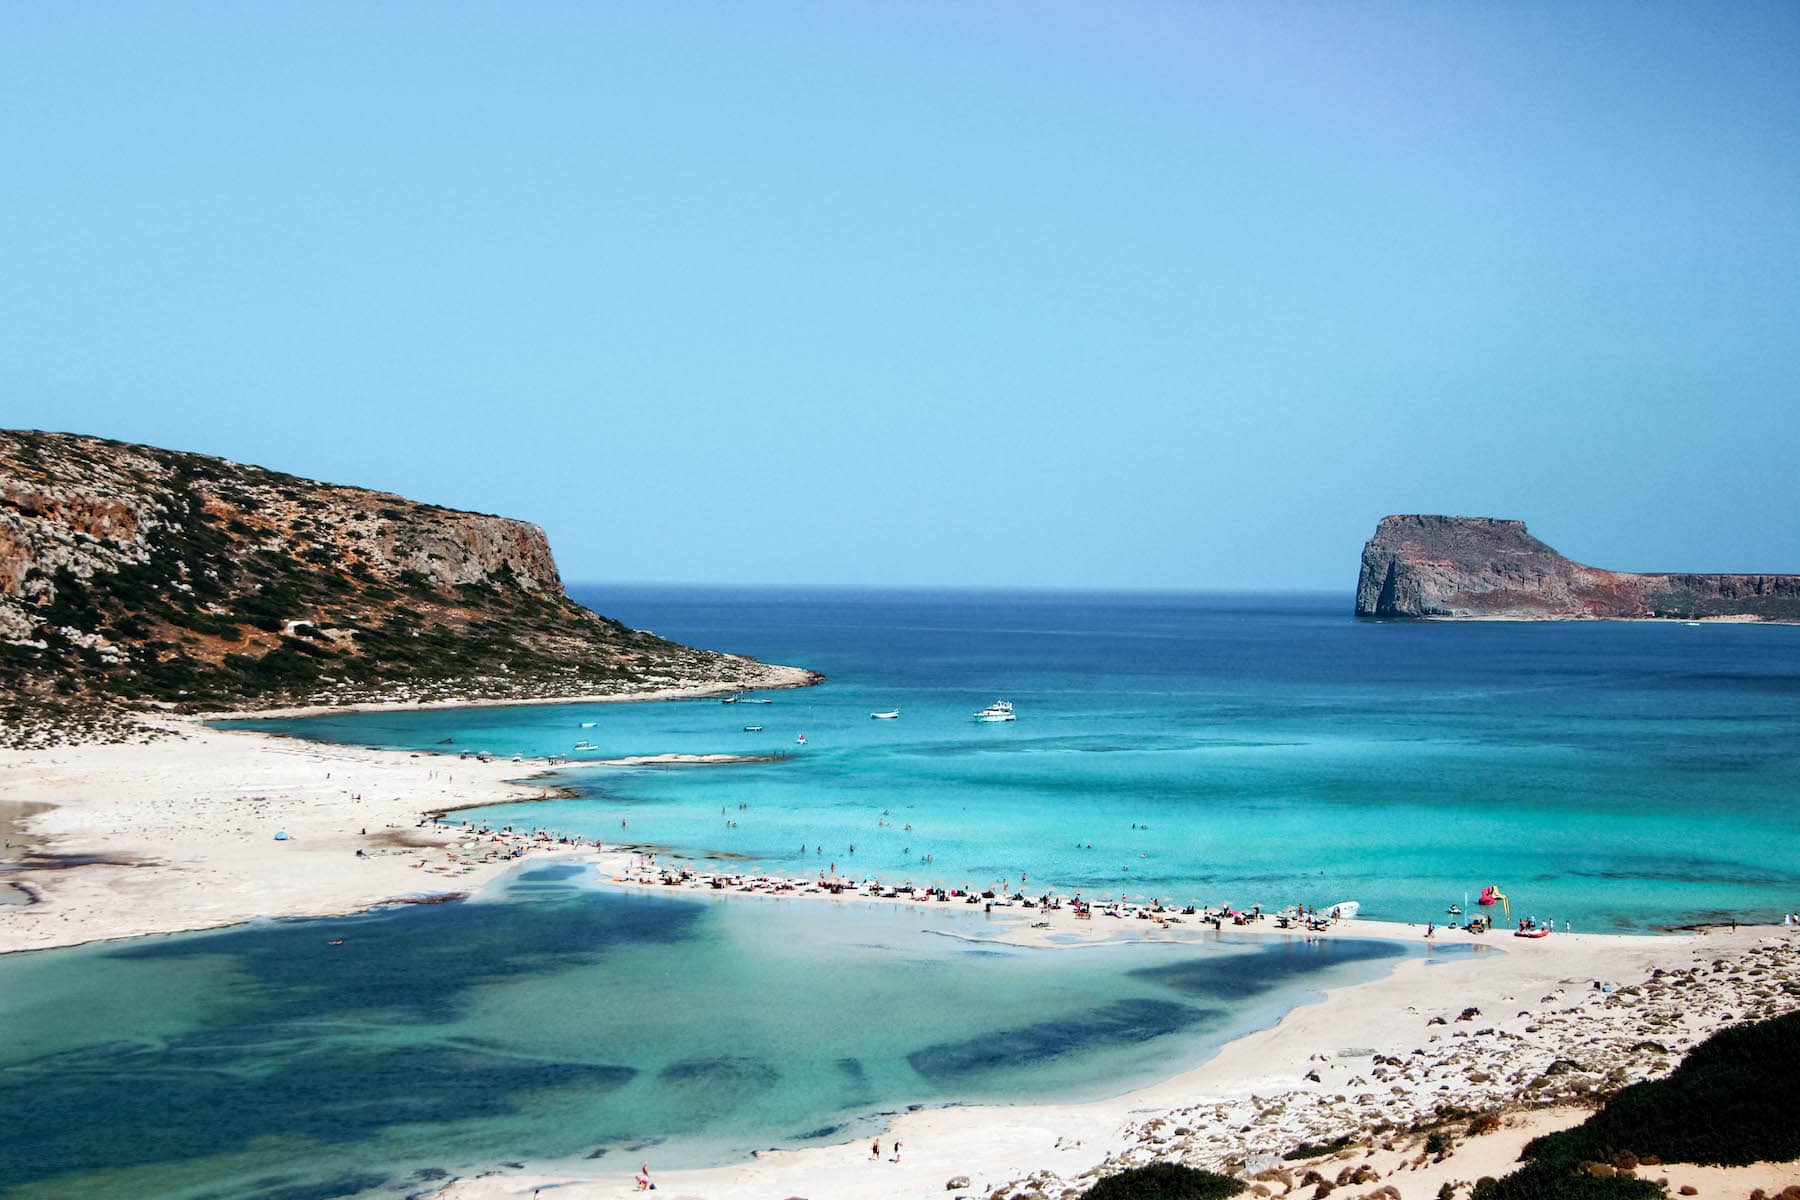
[1380,1116]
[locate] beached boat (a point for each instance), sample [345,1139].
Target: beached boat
[999,710]
[1345,910]
[885,716]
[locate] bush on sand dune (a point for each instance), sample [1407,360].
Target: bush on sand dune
[1164,1181]
[1727,1103]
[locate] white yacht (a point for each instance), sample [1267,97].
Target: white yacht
[890,715]
[999,710]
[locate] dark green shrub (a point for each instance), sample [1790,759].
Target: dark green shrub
[1725,1104]
[1728,1103]
[1315,1149]
[1563,1181]
[1164,1181]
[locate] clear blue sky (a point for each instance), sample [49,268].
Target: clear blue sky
[1105,294]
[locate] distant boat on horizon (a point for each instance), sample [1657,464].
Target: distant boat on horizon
[999,710]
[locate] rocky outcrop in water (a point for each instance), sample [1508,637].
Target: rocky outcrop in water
[130,574]
[1482,567]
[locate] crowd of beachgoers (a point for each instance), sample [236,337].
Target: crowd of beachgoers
[634,867]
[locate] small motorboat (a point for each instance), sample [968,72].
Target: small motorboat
[801,739]
[1346,910]
[1456,910]
[885,716]
[753,729]
[586,746]
[731,700]
[588,724]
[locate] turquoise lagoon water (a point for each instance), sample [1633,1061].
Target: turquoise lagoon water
[1232,749]
[1220,749]
[548,1020]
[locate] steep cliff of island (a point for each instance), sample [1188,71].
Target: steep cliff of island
[1482,567]
[133,575]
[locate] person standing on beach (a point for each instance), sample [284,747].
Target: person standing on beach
[875,1150]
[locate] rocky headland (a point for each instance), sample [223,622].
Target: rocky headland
[1482,567]
[134,578]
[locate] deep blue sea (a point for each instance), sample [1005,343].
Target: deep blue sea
[1231,749]
[1222,749]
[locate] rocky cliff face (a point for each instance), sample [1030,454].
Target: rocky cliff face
[1480,567]
[133,574]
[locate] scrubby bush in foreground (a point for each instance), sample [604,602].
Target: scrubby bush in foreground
[1730,1102]
[1726,1104]
[1164,1181]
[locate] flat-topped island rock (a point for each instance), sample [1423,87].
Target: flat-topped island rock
[1475,568]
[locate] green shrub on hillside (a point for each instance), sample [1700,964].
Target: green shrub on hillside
[1164,1181]
[1564,1181]
[1728,1103]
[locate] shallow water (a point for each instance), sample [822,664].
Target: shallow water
[547,1020]
[1233,750]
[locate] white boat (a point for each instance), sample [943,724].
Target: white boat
[753,729]
[886,716]
[731,699]
[586,746]
[1345,910]
[588,724]
[999,710]
[801,740]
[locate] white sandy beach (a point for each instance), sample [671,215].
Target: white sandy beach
[191,818]
[190,821]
